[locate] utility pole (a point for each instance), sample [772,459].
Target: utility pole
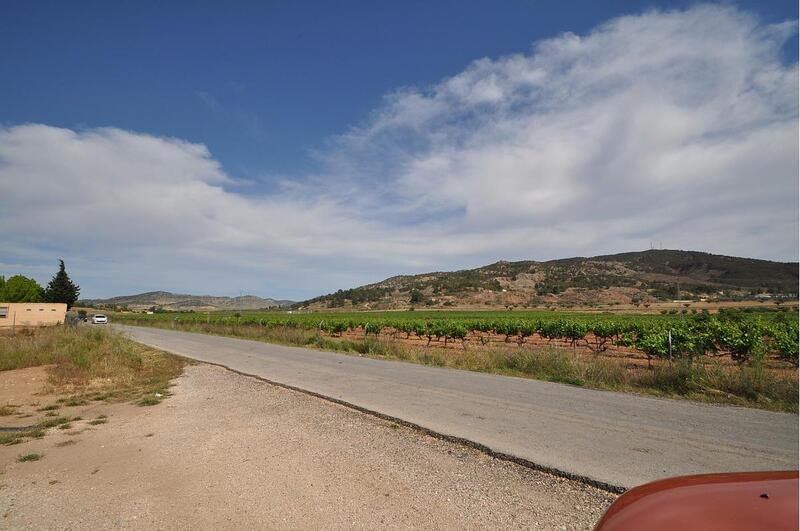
[669,337]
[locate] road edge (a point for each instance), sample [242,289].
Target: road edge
[602,485]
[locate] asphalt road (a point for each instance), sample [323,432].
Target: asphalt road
[618,439]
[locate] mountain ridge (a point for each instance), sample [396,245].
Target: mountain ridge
[165,300]
[638,277]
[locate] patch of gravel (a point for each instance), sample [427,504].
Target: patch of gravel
[230,451]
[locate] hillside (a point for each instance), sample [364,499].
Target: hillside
[165,300]
[622,279]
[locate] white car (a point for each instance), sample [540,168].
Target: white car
[99,319]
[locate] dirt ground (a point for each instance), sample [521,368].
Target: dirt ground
[229,451]
[19,391]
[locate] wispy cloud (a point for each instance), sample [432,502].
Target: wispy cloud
[246,120]
[209,101]
[679,127]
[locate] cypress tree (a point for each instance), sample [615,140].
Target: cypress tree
[61,288]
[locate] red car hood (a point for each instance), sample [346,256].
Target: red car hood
[708,502]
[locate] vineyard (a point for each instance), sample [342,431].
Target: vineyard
[742,336]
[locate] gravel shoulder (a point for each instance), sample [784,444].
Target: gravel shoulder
[230,451]
[619,439]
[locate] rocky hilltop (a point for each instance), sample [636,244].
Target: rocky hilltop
[620,279]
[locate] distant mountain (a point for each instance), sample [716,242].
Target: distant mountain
[627,278]
[165,300]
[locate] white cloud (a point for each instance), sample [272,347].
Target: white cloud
[678,127]
[650,120]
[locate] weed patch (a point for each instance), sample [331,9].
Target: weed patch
[8,410]
[91,364]
[52,422]
[149,401]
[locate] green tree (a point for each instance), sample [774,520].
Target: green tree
[20,289]
[416,296]
[61,288]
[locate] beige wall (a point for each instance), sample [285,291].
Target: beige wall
[29,314]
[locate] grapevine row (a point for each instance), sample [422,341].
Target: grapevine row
[741,338]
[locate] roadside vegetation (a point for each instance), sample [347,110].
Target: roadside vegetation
[25,458]
[85,365]
[89,363]
[726,359]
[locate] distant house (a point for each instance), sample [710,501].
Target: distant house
[31,314]
[763,296]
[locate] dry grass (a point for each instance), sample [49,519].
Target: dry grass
[16,437]
[37,431]
[8,409]
[91,364]
[29,457]
[84,365]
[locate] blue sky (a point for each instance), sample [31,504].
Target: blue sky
[297,106]
[262,83]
